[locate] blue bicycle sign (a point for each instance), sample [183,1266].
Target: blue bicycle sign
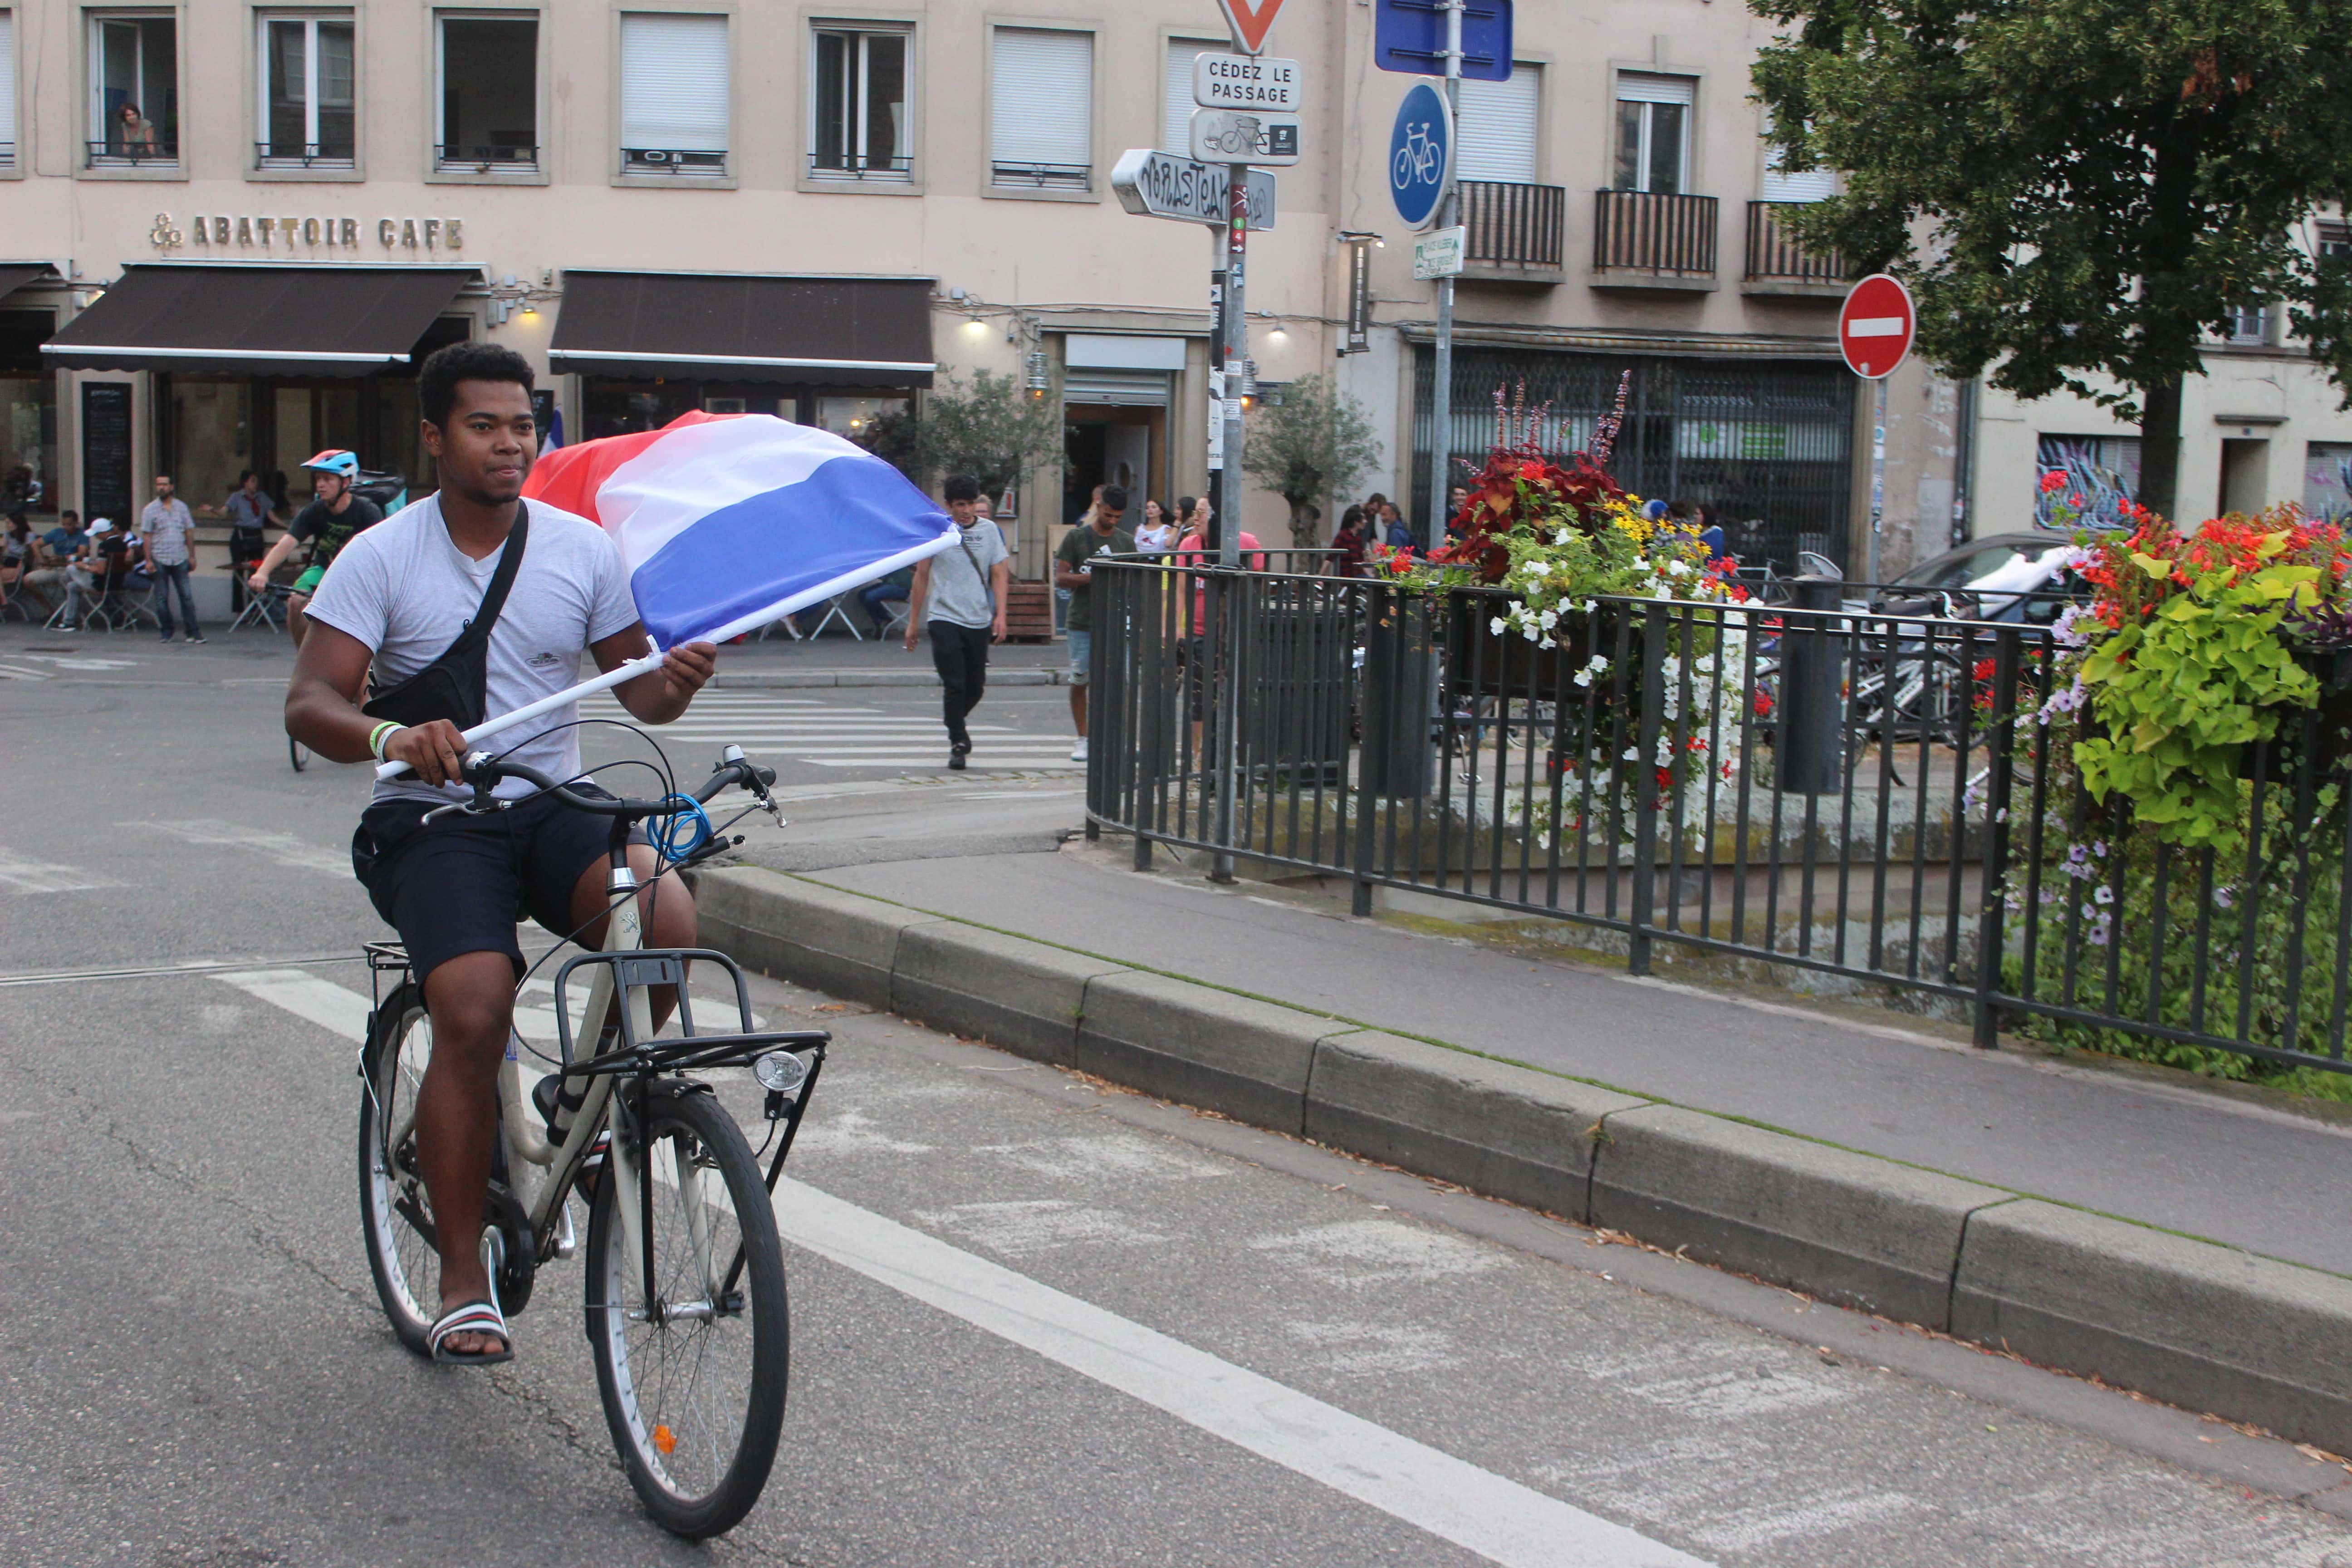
[1421,153]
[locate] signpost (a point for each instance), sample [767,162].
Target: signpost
[1409,35]
[1249,20]
[1245,82]
[1420,154]
[1438,254]
[1224,135]
[1160,185]
[1876,327]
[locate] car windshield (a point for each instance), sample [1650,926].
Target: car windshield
[1958,570]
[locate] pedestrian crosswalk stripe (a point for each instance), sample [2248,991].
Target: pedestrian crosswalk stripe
[821,733]
[23,874]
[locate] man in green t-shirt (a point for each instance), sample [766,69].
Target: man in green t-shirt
[1074,565]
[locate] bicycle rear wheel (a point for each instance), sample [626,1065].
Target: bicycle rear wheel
[395,1213]
[693,1381]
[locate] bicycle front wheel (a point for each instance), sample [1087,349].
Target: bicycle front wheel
[691,1366]
[395,1213]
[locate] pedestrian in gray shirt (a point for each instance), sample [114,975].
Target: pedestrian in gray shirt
[169,528]
[958,597]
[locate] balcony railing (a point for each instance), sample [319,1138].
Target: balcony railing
[1651,237]
[302,154]
[7,155]
[119,155]
[485,158]
[856,166]
[1774,258]
[1515,225]
[672,161]
[1042,176]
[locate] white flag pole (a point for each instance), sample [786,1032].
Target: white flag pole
[622,673]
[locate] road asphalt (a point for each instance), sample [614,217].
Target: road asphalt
[995,1265]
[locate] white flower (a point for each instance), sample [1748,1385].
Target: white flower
[1677,568]
[1584,678]
[1633,754]
[1499,626]
[1549,619]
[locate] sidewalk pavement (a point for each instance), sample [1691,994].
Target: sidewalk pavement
[1876,1164]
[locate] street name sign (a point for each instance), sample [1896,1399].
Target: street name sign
[1876,326]
[1420,154]
[1438,253]
[1245,136]
[1409,36]
[1159,184]
[1249,20]
[1247,81]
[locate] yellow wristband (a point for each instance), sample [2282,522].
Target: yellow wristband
[380,734]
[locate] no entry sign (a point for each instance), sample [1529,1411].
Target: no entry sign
[1875,329]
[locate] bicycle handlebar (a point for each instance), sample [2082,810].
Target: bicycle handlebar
[484,771]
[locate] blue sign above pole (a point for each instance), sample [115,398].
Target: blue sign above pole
[1421,153]
[1409,36]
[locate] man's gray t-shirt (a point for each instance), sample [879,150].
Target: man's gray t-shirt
[959,593]
[167,526]
[404,590]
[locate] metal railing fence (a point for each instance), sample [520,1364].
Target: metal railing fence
[1872,797]
[1659,232]
[1773,255]
[1514,224]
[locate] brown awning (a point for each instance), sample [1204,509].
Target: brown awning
[828,331]
[14,275]
[267,320]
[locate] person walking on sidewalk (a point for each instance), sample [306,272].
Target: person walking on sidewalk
[963,592]
[166,525]
[1074,558]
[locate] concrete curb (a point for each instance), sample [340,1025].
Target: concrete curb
[793,679]
[2186,1321]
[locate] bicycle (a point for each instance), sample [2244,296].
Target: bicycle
[685,1295]
[1418,161]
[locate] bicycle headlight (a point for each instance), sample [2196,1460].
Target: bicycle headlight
[779,1072]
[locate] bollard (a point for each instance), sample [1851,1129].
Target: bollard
[1812,703]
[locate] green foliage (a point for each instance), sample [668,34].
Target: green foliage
[990,428]
[1309,449]
[2075,188]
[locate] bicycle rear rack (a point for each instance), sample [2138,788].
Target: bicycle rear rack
[690,1051]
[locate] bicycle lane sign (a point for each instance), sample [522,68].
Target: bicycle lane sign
[1420,154]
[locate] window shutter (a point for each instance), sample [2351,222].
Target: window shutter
[1176,107]
[674,82]
[8,82]
[1043,108]
[1812,185]
[1497,127]
[1634,87]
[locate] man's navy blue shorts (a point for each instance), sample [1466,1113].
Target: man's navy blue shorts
[460,885]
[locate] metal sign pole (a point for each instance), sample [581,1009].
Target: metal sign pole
[1235,346]
[1441,390]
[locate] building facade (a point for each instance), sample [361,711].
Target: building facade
[229,231]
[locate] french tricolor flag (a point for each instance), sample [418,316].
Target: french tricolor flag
[729,522]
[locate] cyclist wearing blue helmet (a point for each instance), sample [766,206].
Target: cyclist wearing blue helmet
[327,524]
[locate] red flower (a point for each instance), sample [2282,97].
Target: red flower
[1983,671]
[1762,703]
[2052,481]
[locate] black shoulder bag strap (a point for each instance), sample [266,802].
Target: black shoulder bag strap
[455,686]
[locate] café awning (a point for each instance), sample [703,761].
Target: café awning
[797,331]
[349,320]
[14,275]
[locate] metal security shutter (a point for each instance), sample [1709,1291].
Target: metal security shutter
[1498,131]
[8,87]
[1633,86]
[1176,104]
[1813,185]
[1118,388]
[1043,108]
[674,82]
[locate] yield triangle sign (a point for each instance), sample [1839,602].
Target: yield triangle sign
[1250,21]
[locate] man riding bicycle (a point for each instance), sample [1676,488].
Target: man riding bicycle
[545,584]
[327,524]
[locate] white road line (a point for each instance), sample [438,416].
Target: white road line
[23,874]
[17,672]
[1451,1498]
[283,848]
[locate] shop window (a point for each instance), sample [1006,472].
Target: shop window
[1041,111]
[850,417]
[308,77]
[1176,103]
[8,90]
[211,437]
[859,127]
[134,91]
[674,102]
[1497,134]
[28,409]
[487,73]
[2098,475]
[1654,115]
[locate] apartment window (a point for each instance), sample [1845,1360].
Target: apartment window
[1780,186]
[1176,104]
[2335,242]
[1654,114]
[673,94]
[1041,121]
[2248,324]
[307,100]
[8,90]
[486,70]
[860,130]
[134,88]
[1496,134]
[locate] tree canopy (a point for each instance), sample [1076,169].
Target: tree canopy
[989,427]
[1308,448]
[2077,189]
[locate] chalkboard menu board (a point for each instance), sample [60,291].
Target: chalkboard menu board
[106,449]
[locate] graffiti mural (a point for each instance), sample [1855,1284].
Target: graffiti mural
[2327,480]
[2098,475]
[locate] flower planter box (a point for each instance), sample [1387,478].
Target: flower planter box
[1483,662]
[2330,723]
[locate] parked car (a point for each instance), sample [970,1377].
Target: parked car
[2021,576]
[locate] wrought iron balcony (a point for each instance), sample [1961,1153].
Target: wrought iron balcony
[1514,230]
[1653,240]
[672,161]
[492,158]
[861,166]
[122,154]
[1040,176]
[1778,265]
[335,154]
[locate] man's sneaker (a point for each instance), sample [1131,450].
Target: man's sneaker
[955,762]
[68,627]
[194,638]
[1078,751]
[167,639]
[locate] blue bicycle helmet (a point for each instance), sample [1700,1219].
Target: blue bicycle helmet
[334,460]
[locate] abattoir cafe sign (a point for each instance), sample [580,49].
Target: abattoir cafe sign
[294,234]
